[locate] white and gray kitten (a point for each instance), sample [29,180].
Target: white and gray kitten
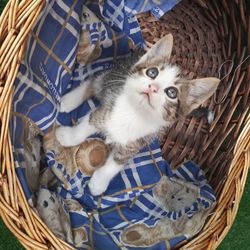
[140,97]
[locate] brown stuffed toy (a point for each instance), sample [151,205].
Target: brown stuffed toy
[87,157]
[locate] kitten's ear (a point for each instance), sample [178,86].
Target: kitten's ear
[160,51]
[199,90]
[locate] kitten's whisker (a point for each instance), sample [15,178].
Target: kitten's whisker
[115,74]
[118,76]
[112,81]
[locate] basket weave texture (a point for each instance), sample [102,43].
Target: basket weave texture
[211,37]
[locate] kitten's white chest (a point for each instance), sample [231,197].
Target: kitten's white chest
[128,124]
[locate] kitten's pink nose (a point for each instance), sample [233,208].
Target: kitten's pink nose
[153,87]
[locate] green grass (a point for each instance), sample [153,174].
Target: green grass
[7,239]
[238,237]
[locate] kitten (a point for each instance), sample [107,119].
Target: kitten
[140,96]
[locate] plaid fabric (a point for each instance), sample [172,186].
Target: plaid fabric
[48,71]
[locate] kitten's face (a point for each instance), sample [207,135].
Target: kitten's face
[156,88]
[153,90]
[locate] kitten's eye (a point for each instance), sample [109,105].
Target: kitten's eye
[152,72]
[45,204]
[171,92]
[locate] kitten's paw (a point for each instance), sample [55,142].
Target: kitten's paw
[66,104]
[97,185]
[64,136]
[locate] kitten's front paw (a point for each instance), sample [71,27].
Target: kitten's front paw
[64,136]
[66,104]
[97,185]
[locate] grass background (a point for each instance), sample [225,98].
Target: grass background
[238,237]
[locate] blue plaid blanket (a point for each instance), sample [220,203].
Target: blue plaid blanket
[128,212]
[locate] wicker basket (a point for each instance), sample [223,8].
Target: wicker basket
[211,37]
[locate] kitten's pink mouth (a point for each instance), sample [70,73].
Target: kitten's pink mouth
[147,95]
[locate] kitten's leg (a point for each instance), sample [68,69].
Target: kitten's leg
[72,136]
[75,98]
[114,164]
[102,176]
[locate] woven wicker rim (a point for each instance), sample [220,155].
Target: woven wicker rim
[15,24]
